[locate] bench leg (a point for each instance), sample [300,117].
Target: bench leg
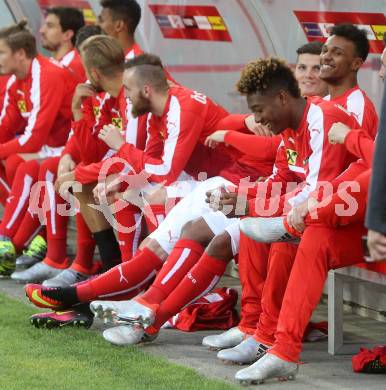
[335,313]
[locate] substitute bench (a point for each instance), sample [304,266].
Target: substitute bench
[335,300]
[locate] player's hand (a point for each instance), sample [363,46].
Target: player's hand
[257,128]
[376,243]
[338,133]
[107,188]
[111,136]
[229,203]
[82,91]
[297,215]
[216,138]
[66,164]
[63,184]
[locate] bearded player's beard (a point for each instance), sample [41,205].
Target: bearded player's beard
[141,106]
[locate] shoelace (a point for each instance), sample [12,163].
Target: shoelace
[47,293]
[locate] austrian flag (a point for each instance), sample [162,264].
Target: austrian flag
[190,22]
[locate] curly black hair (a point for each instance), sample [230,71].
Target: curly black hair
[267,76]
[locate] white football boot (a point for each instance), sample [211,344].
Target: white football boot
[107,310]
[269,366]
[228,339]
[36,274]
[138,313]
[127,335]
[248,351]
[66,278]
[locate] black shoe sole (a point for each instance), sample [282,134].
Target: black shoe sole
[51,323]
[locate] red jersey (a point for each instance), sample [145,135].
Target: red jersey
[87,129]
[3,87]
[306,157]
[134,51]
[39,107]
[359,142]
[358,103]
[257,158]
[73,64]
[188,118]
[92,149]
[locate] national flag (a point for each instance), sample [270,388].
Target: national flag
[373,23]
[312,29]
[163,21]
[190,22]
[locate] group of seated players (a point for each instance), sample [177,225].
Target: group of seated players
[170,187]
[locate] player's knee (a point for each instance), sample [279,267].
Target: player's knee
[198,231]
[11,165]
[50,164]
[30,168]
[156,248]
[221,247]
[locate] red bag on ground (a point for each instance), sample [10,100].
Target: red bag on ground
[214,311]
[370,360]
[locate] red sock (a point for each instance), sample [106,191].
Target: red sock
[84,260]
[199,281]
[129,230]
[56,223]
[4,186]
[124,278]
[17,202]
[184,256]
[154,215]
[29,228]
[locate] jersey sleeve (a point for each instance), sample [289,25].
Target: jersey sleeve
[46,98]
[264,148]
[233,122]
[361,145]
[71,148]
[11,120]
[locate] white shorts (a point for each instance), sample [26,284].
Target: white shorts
[184,185]
[191,207]
[49,151]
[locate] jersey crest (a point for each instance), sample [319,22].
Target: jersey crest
[291,156]
[22,105]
